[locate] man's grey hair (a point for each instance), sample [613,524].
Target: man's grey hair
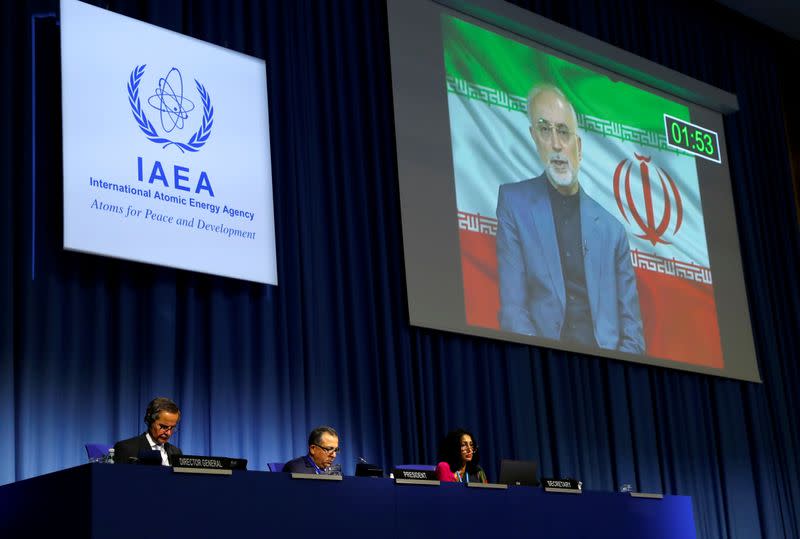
[540,89]
[158,405]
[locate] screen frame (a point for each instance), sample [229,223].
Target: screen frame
[421,165]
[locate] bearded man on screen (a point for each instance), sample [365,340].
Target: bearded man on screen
[563,261]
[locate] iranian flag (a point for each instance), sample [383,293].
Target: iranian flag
[627,167]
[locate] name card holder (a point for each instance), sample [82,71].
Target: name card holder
[201,471]
[562,486]
[647,495]
[490,486]
[404,476]
[313,476]
[205,465]
[428,482]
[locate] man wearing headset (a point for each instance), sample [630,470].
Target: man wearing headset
[162,417]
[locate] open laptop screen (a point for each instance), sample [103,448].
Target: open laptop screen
[519,472]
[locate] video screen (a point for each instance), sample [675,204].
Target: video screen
[568,206]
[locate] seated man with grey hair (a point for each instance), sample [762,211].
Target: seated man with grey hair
[323,446]
[161,417]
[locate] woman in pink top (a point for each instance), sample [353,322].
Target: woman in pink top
[459,453]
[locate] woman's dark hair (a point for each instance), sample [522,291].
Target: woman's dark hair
[450,451]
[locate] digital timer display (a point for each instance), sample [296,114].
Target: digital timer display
[692,138]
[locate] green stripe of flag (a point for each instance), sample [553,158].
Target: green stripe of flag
[487,59]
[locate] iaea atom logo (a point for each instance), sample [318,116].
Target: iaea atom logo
[173,108]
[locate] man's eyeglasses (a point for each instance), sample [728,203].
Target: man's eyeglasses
[546,130]
[167,428]
[329,450]
[469,445]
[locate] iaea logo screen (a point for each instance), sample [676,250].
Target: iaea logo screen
[166,148]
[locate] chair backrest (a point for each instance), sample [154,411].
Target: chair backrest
[275,466]
[97,451]
[416,467]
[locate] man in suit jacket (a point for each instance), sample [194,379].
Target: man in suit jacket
[563,261]
[323,446]
[162,417]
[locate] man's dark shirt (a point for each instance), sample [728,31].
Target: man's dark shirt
[578,325]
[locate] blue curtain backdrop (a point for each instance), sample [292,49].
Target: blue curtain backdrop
[86,341]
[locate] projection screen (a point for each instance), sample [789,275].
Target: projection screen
[557,191]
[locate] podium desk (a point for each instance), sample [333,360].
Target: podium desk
[111,501]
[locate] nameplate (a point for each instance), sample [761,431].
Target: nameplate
[207,463]
[428,482]
[203,471]
[425,475]
[564,486]
[648,495]
[318,477]
[497,486]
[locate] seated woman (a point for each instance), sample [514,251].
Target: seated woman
[459,454]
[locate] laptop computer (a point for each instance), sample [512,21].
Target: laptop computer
[519,473]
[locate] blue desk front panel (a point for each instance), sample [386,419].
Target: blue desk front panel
[103,501]
[453,510]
